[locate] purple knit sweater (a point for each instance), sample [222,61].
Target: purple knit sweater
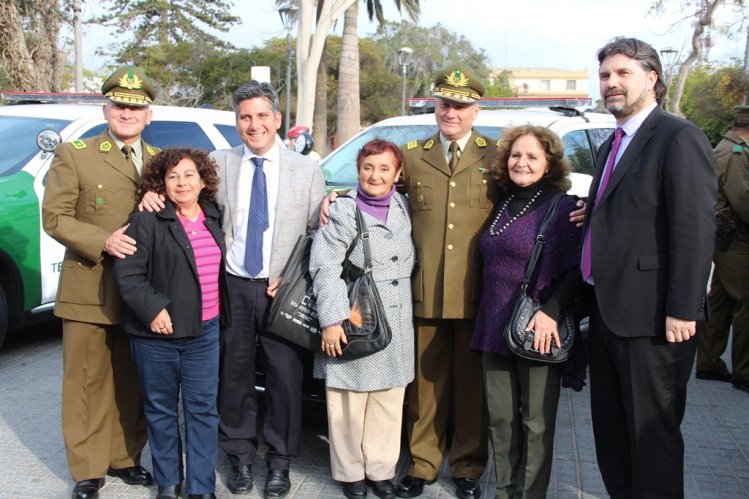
[505,258]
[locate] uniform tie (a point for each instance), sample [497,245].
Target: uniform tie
[257,220]
[586,265]
[128,152]
[454,150]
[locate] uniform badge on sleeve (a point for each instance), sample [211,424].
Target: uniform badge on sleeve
[105,146]
[737,148]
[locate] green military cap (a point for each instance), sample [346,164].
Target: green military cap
[458,83]
[129,85]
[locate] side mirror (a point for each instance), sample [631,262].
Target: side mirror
[303,143]
[48,140]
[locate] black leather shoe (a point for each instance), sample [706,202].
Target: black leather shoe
[134,475]
[355,490]
[410,486]
[88,489]
[170,492]
[278,484]
[202,496]
[724,376]
[467,488]
[240,479]
[383,489]
[741,384]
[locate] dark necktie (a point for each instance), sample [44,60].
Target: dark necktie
[454,150]
[586,267]
[128,152]
[257,220]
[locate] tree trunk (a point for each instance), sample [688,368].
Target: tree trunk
[348,119]
[309,51]
[705,19]
[14,54]
[320,122]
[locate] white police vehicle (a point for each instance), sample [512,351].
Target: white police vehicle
[581,133]
[30,261]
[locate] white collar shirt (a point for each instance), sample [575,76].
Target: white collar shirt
[271,167]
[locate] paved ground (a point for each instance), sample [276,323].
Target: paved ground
[32,455]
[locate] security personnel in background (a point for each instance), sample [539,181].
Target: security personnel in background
[729,291]
[90,194]
[452,195]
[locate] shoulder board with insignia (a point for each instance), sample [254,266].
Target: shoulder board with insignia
[737,148]
[78,144]
[105,146]
[412,144]
[480,142]
[151,150]
[428,144]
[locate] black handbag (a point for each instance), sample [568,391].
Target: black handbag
[520,341]
[293,311]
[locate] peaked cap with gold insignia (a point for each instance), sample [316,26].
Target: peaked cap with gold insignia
[129,85]
[457,83]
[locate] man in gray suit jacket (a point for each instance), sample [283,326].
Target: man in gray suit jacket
[268,197]
[294,187]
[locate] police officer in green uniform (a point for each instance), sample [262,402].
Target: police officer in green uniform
[729,290]
[452,195]
[91,192]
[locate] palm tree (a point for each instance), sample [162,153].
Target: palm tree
[348,115]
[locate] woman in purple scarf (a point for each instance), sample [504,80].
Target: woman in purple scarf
[522,395]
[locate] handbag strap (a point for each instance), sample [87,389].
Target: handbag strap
[540,239]
[362,232]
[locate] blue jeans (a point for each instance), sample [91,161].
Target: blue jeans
[164,367]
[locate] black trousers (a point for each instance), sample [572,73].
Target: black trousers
[238,407]
[638,392]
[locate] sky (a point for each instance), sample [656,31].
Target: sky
[530,33]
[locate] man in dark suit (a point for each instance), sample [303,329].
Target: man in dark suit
[91,192]
[647,246]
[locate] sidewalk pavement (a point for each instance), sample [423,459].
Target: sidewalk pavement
[32,454]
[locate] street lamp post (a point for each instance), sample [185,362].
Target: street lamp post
[288,19]
[404,59]
[668,58]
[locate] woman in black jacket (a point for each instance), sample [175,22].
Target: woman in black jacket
[174,287]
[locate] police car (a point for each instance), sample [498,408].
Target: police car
[581,133]
[30,261]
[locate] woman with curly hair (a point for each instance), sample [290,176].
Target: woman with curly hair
[522,395]
[174,288]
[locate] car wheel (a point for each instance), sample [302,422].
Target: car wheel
[3,316]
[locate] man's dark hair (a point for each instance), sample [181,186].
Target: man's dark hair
[253,89]
[643,53]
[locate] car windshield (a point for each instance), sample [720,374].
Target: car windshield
[19,140]
[340,167]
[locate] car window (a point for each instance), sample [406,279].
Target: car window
[577,150]
[598,136]
[230,134]
[18,144]
[177,134]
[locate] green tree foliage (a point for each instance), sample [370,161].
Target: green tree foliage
[709,96]
[435,47]
[499,86]
[143,23]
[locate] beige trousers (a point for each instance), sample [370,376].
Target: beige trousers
[364,430]
[102,413]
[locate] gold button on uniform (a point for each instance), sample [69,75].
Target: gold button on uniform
[450,226]
[450,247]
[452,205]
[99,186]
[483,181]
[452,184]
